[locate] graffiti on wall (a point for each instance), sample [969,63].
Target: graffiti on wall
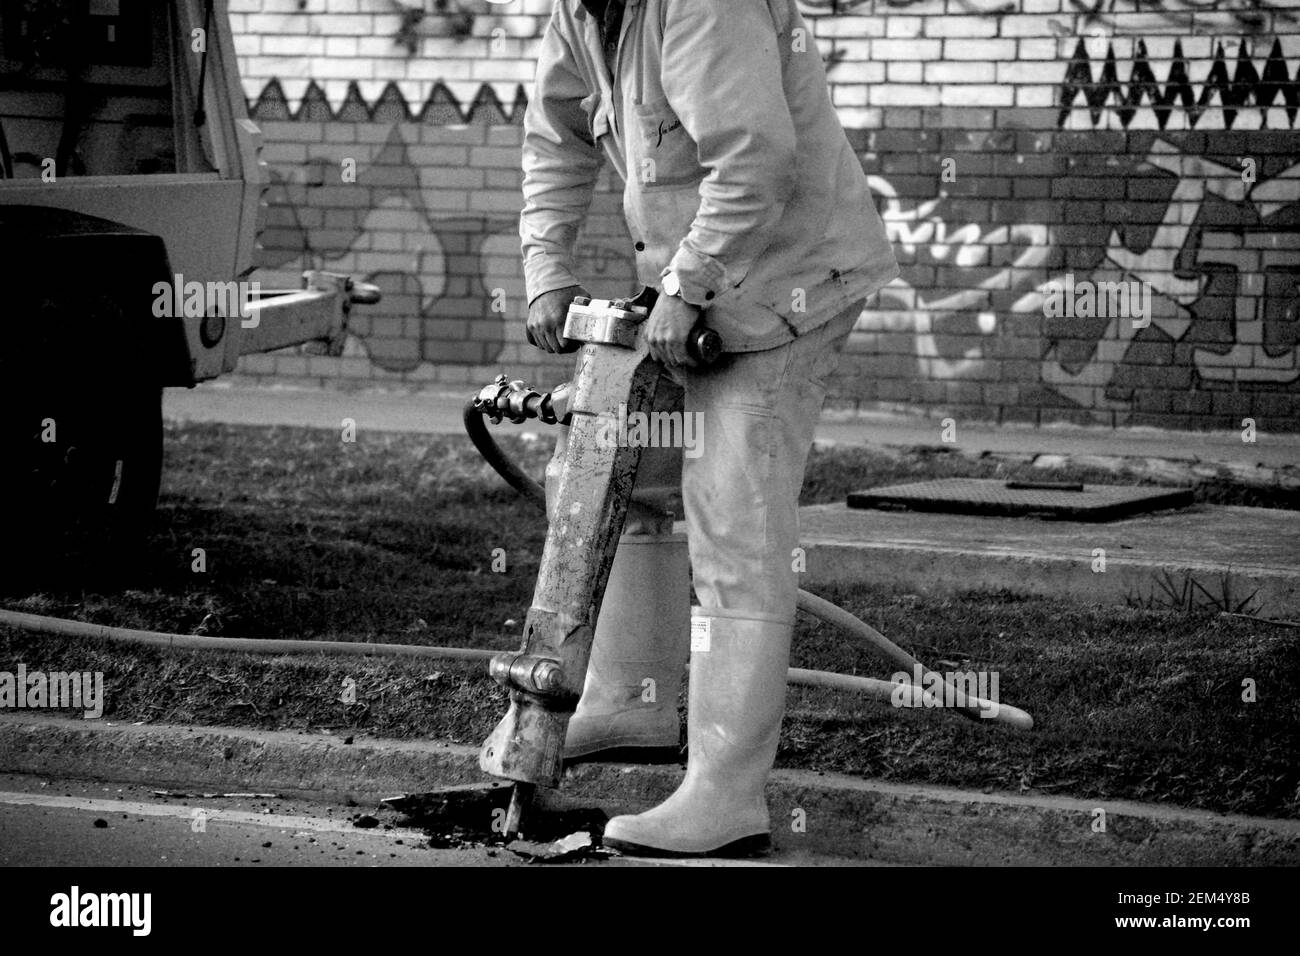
[1209,221]
[1168,206]
[1223,265]
[1224,260]
[1262,97]
[426,298]
[924,239]
[450,299]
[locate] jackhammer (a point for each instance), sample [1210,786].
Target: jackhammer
[593,497]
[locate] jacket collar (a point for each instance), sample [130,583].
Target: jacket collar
[596,8]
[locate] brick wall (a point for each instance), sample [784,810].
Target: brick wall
[1023,152]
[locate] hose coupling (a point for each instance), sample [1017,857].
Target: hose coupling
[519,402]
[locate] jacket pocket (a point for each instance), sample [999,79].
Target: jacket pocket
[666,154]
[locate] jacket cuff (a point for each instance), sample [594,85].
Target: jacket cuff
[703,278]
[543,274]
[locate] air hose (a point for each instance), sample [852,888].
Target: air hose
[43,624]
[62,627]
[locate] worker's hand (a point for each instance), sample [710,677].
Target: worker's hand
[546,319]
[667,329]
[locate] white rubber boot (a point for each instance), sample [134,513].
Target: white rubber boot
[737,699]
[639,651]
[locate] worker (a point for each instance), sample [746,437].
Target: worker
[748,208]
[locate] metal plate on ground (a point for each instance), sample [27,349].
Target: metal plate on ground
[1060,500]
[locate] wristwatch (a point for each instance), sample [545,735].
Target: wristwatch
[672,285]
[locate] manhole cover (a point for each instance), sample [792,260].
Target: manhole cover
[1047,499]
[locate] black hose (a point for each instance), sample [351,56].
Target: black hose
[504,466]
[520,480]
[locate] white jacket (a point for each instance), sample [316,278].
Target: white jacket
[738,175]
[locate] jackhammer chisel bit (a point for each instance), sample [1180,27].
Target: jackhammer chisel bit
[520,800]
[545,676]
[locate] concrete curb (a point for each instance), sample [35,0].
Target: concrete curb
[1222,554]
[840,816]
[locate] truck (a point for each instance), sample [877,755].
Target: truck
[131,187]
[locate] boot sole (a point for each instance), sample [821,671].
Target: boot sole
[749,846]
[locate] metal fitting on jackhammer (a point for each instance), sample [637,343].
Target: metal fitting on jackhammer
[520,402]
[538,675]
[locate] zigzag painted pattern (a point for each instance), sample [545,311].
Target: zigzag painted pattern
[1247,88]
[441,108]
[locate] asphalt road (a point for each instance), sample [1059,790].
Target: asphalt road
[77,823]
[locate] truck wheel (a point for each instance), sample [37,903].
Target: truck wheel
[83,432]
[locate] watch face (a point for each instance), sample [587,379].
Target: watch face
[671,284]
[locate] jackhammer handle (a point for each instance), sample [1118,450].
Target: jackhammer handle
[704,345]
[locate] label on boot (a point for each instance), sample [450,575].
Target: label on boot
[700,629]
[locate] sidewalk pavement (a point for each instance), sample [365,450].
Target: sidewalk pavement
[438,412]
